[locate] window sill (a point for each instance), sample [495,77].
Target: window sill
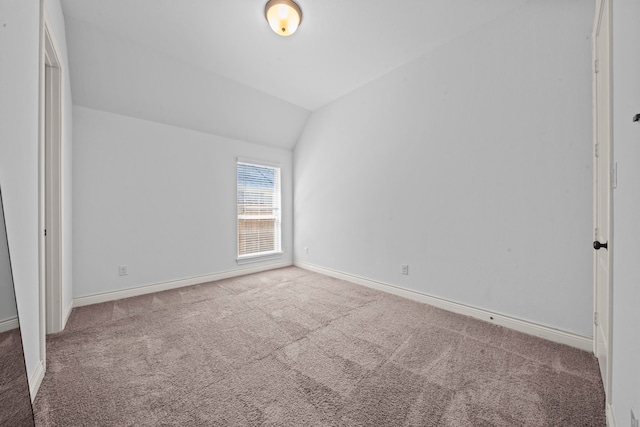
[248,259]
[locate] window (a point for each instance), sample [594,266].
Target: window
[258,210]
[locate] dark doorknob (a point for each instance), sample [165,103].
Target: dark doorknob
[597,245]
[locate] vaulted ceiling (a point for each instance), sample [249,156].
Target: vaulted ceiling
[215,66]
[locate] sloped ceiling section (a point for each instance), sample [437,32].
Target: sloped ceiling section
[215,66]
[113,74]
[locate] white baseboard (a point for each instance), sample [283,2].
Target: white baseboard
[611,419]
[9,324]
[148,289]
[555,335]
[35,380]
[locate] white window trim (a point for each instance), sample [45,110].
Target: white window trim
[263,256]
[259,162]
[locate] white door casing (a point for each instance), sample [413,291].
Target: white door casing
[53,214]
[51,306]
[602,197]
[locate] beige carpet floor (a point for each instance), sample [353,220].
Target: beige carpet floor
[291,347]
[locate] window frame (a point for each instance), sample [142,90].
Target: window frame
[277,251]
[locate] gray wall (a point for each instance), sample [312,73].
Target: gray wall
[159,199]
[471,164]
[626,210]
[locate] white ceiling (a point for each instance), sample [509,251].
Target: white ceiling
[341,44]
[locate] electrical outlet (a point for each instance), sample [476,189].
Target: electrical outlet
[405,269]
[634,420]
[122,270]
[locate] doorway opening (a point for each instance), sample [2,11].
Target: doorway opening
[51,291]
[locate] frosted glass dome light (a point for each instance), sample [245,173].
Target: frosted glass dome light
[284,16]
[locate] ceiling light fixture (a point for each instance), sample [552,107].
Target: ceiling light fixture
[284,16]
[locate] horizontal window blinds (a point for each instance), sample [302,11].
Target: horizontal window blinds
[258,209]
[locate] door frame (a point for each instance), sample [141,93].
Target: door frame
[598,64]
[52,315]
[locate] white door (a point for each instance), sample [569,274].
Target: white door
[602,192]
